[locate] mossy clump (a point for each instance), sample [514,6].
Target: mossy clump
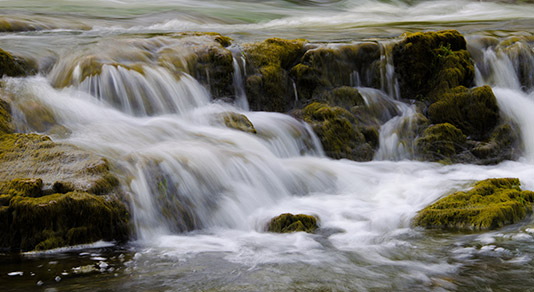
[10,65]
[62,219]
[503,144]
[6,126]
[490,204]
[474,111]
[268,85]
[324,68]
[338,132]
[287,223]
[441,142]
[239,122]
[213,67]
[22,187]
[430,63]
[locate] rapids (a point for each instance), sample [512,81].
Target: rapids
[166,135]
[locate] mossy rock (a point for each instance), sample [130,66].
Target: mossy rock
[441,142]
[22,187]
[11,66]
[338,132]
[490,204]
[324,68]
[287,223]
[37,116]
[430,63]
[267,85]
[503,144]
[6,126]
[62,219]
[238,121]
[474,111]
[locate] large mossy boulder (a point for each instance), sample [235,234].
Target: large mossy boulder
[490,204]
[474,111]
[441,142]
[326,67]
[54,194]
[12,66]
[61,219]
[267,85]
[287,223]
[339,132]
[430,63]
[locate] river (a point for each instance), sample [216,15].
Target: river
[232,183]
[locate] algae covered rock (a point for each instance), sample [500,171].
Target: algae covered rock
[62,219]
[441,142]
[490,204]
[11,66]
[338,132]
[429,63]
[238,121]
[287,223]
[474,111]
[268,85]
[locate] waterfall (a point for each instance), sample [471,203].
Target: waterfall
[239,86]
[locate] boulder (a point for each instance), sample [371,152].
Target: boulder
[339,132]
[490,204]
[430,63]
[474,111]
[287,223]
[441,142]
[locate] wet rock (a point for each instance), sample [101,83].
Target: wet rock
[5,118]
[268,86]
[239,122]
[12,66]
[287,223]
[441,142]
[474,111]
[53,194]
[490,204]
[339,132]
[503,144]
[324,68]
[430,63]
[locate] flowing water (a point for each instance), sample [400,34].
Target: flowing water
[203,193]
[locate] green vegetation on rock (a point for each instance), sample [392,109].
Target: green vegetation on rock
[61,219]
[287,223]
[441,142]
[338,132]
[11,66]
[474,111]
[430,63]
[239,122]
[268,85]
[490,204]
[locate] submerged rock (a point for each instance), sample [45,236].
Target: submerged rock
[490,204]
[287,223]
[238,121]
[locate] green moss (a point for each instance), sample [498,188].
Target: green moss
[213,67]
[502,145]
[268,85]
[239,122]
[6,126]
[11,66]
[490,204]
[22,187]
[338,132]
[430,63]
[440,142]
[55,220]
[287,223]
[474,111]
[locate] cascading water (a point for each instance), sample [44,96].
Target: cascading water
[202,191]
